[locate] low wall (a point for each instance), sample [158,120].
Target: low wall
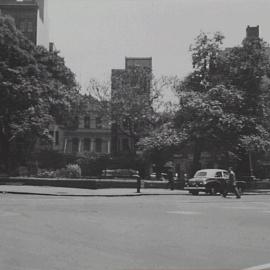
[261,184]
[85,183]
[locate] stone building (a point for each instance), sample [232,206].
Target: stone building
[30,17]
[90,136]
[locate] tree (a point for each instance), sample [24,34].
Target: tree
[132,103]
[35,88]
[223,103]
[234,75]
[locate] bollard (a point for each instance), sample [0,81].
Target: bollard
[138,184]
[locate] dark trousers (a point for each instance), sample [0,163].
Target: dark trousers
[230,187]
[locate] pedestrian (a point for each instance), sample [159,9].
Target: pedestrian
[171,176]
[231,185]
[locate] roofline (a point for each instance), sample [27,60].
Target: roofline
[212,169]
[19,4]
[139,58]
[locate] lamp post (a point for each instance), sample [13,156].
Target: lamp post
[250,165]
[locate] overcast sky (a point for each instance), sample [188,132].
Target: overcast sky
[95,36]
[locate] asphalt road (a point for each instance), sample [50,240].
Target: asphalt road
[167,232]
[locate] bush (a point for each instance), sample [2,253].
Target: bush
[73,171]
[53,159]
[70,171]
[47,174]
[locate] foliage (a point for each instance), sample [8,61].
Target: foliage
[223,103]
[45,173]
[133,103]
[36,88]
[51,159]
[70,171]
[229,115]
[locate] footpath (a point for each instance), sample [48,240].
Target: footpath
[108,192]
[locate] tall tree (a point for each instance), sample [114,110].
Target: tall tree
[133,104]
[223,102]
[35,88]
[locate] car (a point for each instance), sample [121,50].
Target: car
[120,173]
[162,177]
[210,181]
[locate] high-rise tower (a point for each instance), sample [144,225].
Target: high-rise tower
[30,18]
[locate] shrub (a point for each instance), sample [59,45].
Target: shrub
[73,171]
[70,171]
[53,159]
[47,174]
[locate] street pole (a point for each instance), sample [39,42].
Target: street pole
[250,165]
[138,184]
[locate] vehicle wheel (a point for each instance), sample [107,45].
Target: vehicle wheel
[194,192]
[240,190]
[213,191]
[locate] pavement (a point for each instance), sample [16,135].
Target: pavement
[109,192]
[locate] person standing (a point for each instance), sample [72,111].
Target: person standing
[231,185]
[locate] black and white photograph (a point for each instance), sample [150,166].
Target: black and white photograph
[134,134]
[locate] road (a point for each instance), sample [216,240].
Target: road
[168,232]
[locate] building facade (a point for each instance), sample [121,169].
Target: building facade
[90,136]
[30,17]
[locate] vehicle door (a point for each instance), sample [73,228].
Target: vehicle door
[219,176]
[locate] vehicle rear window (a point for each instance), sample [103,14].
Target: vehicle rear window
[201,174]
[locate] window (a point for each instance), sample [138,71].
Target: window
[218,174]
[200,174]
[30,27]
[75,145]
[26,26]
[86,144]
[98,122]
[98,145]
[23,26]
[86,122]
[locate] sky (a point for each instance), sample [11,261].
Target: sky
[95,36]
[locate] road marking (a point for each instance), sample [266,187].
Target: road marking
[183,212]
[259,267]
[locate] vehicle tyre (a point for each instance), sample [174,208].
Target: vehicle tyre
[194,192]
[224,194]
[213,191]
[240,190]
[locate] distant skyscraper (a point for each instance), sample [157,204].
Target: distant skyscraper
[135,77]
[30,18]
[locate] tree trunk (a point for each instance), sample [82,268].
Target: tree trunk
[5,153]
[196,164]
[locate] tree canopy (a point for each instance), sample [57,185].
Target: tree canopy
[35,88]
[223,103]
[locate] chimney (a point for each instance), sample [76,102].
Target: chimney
[252,32]
[51,47]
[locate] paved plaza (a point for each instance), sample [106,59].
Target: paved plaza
[164,230]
